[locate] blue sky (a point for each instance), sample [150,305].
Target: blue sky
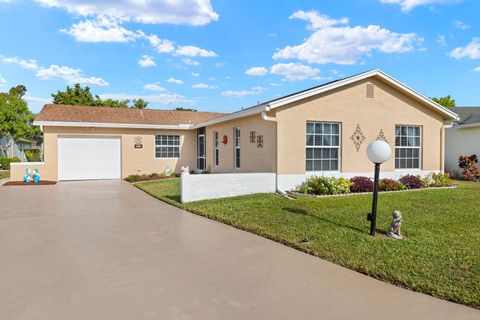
[221,56]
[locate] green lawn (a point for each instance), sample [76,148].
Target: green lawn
[440,255]
[4,174]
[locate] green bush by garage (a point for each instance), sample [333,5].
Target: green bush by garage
[5,162]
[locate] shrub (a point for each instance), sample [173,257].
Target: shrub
[361,184]
[411,182]
[134,178]
[5,162]
[32,155]
[469,166]
[436,180]
[153,176]
[344,185]
[441,179]
[390,185]
[321,185]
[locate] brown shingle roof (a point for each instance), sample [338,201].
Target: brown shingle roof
[67,113]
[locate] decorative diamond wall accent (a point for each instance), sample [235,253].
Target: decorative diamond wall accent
[381,136]
[358,137]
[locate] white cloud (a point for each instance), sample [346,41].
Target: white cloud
[191,62]
[26,64]
[146,61]
[161,45]
[195,74]
[3,81]
[408,5]
[101,29]
[173,80]
[477,69]
[189,12]
[471,50]
[154,87]
[192,51]
[460,25]
[70,75]
[159,99]
[241,93]
[274,84]
[331,43]
[203,86]
[35,104]
[317,21]
[257,71]
[441,40]
[294,71]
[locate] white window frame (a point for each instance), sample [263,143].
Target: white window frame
[236,146]
[420,158]
[339,147]
[216,151]
[167,146]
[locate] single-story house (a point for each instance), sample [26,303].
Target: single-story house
[463,138]
[10,147]
[322,130]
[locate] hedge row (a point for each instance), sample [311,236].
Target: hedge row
[321,185]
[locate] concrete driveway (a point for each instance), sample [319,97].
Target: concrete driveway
[106,250]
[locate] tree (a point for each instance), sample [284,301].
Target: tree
[15,118]
[79,96]
[140,104]
[446,101]
[185,109]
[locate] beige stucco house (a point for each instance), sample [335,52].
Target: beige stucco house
[322,130]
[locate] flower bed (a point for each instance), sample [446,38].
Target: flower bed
[327,186]
[147,177]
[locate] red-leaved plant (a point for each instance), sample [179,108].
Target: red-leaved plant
[361,184]
[469,166]
[411,182]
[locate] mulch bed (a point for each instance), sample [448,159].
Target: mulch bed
[21,183]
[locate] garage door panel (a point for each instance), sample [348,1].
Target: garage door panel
[85,158]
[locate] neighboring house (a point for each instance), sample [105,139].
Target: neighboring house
[10,147]
[463,138]
[322,130]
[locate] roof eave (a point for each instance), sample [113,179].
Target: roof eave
[232,116]
[467,125]
[111,125]
[448,114]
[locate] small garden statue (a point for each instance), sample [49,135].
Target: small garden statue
[394,230]
[28,176]
[185,169]
[168,172]
[36,176]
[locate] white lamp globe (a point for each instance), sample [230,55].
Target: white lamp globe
[379,151]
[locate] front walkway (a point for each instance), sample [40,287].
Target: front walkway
[105,250]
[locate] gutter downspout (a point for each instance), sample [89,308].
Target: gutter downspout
[273,119]
[446,125]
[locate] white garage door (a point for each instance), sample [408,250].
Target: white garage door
[89,157]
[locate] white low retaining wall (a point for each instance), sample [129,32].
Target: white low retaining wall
[194,187]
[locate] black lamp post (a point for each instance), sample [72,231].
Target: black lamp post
[378,152]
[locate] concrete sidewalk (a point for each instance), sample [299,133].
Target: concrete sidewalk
[106,250]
